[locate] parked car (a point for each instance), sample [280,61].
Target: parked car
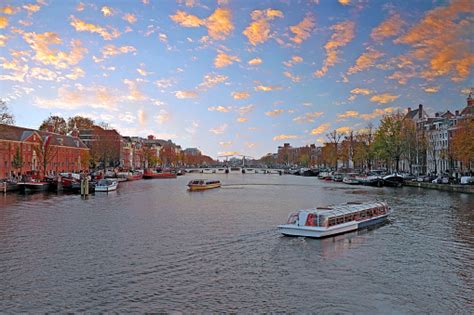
[426,178]
[467,180]
[441,180]
[408,177]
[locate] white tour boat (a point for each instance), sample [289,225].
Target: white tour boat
[106,185]
[331,220]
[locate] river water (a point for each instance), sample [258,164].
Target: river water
[152,246]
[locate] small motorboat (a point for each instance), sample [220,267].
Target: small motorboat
[203,184]
[332,220]
[106,185]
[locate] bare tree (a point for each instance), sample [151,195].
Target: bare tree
[6,118]
[334,137]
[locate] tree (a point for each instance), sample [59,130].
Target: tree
[334,138]
[389,138]
[6,118]
[54,124]
[304,159]
[364,148]
[17,161]
[80,122]
[45,153]
[463,142]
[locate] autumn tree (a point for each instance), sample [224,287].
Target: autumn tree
[80,122]
[334,138]
[364,148]
[54,124]
[6,118]
[390,141]
[17,161]
[45,153]
[463,142]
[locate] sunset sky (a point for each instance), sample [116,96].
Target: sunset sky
[233,76]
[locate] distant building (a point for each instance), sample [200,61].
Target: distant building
[67,153]
[105,145]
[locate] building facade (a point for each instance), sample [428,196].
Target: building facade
[25,151]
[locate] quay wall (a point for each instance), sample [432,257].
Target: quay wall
[468,189]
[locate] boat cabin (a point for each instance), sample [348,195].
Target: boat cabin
[332,216]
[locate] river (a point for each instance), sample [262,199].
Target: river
[152,246]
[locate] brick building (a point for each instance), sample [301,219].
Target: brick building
[21,153]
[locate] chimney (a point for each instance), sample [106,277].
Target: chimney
[151,137]
[436,114]
[457,113]
[409,109]
[420,111]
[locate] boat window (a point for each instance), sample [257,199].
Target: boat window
[311,219]
[332,221]
[340,220]
[348,218]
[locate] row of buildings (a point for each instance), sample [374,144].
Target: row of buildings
[432,152]
[25,151]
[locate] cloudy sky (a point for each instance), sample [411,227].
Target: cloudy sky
[233,76]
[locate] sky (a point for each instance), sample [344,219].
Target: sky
[236,76]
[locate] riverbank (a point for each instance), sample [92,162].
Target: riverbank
[468,189]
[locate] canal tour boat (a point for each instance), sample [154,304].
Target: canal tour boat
[106,185]
[203,184]
[331,220]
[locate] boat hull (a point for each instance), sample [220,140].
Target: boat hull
[318,232]
[203,187]
[159,175]
[32,187]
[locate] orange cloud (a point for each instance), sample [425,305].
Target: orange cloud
[293,78]
[294,60]
[365,61]
[3,22]
[9,10]
[348,114]
[211,80]
[388,28]
[134,93]
[384,98]
[219,108]
[112,50]
[275,112]
[361,91]
[223,60]
[267,88]
[307,117]
[378,112]
[82,26]
[303,29]
[185,94]
[344,2]
[219,130]
[219,23]
[42,74]
[258,31]
[31,8]
[442,41]
[40,43]
[76,73]
[3,40]
[240,95]
[431,89]
[320,129]
[255,61]
[242,119]
[106,11]
[225,143]
[344,129]
[284,137]
[244,110]
[130,18]
[343,34]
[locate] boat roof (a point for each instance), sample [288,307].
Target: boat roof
[334,211]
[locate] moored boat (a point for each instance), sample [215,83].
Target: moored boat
[393,180]
[332,220]
[135,175]
[33,186]
[149,174]
[106,185]
[9,186]
[203,184]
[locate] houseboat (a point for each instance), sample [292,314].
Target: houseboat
[106,185]
[393,180]
[33,186]
[203,184]
[149,174]
[332,220]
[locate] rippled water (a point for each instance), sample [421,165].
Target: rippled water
[153,246]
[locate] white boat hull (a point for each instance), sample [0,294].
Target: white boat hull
[318,232]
